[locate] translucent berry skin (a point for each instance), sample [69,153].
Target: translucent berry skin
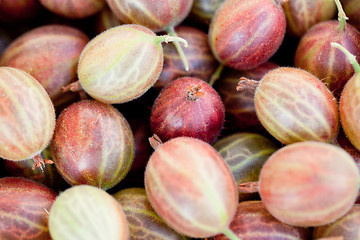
[309,183]
[315,54]
[347,227]
[73,8]
[120,64]
[93,144]
[143,221]
[27,115]
[23,206]
[158,15]
[191,188]
[175,114]
[202,63]
[303,14]
[244,34]
[350,111]
[87,212]
[294,105]
[50,54]
[253,222]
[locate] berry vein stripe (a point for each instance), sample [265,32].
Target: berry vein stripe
[17,218]
[315,111]
[20,110]
[141,8]
[130,45]
[315,212]
[340,223]
[258,32]
[208,190]
[248,159]
[298,122]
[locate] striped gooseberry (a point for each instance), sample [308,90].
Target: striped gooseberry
[87,212]
[24,206]
[156,15]
[294,105]
[188,106]
[27,116]
[50,54]
[252,222]
[191,188]
[93,144]
[244,34]
[143,221]
[122,63]
[315,54]
[309,183]
[73,8]
[303,14]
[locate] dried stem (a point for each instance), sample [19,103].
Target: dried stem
[155,141]
[281,2]
[341,15]
[245,83]
[73,87]
[40,162]
[194,93]
[249,187]
[351,57]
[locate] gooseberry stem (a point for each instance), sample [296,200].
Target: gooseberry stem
[341,15]
[171,32]
[216,75]
[351,57]
[230,234]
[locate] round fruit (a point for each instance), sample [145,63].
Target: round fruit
[245,154]
[346,227]
[143,221]
[191,188]
[50,54]
[121,63]
[315,54]
[294,105]
[309,183]
[244,34]
[253,222]
[27,116]
[24,206]
[188,106]
[86,212]
[303,14]
[73,8]
[157,15]
[92,144]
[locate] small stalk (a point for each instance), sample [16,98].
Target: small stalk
[172,33]
[245,83]
[341,15]
[72,87]
[351,57]
[281,2]
[230,234]
[216,75]
[40,162]
[155,141]
[249,187]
